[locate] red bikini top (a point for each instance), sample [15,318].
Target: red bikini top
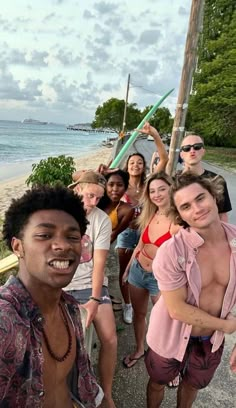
[159,241]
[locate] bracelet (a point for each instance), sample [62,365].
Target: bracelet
[94,298]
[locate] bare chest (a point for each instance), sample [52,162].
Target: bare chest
[214,265]
[55,373]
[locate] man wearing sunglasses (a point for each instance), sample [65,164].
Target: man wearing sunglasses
[191,152]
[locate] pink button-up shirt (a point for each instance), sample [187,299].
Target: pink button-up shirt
[175,266]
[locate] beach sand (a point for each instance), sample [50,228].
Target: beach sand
[15,187]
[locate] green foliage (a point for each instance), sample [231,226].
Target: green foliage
[161,119]
[110,115]
[51,171]
[212,107]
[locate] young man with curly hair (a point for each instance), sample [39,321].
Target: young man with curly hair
[43,362]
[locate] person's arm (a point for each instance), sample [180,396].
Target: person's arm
[99,261]
[150,130]
[178,309]
[126,214]
[138,248]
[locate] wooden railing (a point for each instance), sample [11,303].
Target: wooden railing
[8,263]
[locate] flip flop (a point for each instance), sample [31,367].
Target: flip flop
[134,360]
[115,300]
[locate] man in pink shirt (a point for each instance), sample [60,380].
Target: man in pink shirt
[196,273]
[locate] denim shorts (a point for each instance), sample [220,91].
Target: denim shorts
[128,239]
[82,295]
[142,279]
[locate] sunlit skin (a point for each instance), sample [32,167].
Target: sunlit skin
[115,188]
[91,194]
[196,206]
[192,159]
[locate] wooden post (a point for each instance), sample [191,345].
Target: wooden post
[190,59]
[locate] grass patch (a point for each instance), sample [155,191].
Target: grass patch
[221,156]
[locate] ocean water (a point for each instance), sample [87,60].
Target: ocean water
[22,144]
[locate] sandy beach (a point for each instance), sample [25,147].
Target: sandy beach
[15,187]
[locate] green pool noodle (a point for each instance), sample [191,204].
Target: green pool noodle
[132,138]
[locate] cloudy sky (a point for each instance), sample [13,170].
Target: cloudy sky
[60,59]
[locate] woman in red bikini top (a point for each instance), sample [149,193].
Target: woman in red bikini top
[154,222]
[156,227]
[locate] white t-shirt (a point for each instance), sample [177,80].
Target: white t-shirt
[97,236]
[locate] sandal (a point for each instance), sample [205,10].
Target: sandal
[132,360]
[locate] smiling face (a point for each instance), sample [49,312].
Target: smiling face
[49,249]
[135,165]
[159,193]
[192,157]
[196,206]
[115,188]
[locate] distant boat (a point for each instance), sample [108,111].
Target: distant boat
[34,122]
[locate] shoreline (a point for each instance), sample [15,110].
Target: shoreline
[14,187]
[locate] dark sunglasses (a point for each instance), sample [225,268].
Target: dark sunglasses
[195,146]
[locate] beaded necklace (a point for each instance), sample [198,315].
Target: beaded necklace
[51,352]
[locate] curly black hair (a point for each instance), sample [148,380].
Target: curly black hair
[41,198]
[105,200]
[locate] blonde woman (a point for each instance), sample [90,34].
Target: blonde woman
[156,227]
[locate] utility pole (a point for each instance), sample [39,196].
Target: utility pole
[189,65]
[125,110]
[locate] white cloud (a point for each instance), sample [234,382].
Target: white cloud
[63,58]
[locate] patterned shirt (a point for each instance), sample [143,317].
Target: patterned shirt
[21,357]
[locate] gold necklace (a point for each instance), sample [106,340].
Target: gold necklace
[136,188]
[160,213]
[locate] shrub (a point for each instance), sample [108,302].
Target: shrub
[51,171]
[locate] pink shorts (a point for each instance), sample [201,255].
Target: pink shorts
[197,368]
